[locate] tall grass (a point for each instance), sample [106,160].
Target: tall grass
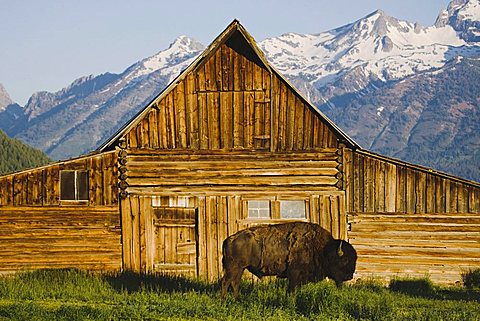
[471,278]
[78,295]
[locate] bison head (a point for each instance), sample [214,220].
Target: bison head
[340,261]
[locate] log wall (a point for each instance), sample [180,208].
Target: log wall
[440,246]
[54,237]
[411,221]
[38,230]
[231,172]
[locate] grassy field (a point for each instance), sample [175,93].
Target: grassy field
[76,295]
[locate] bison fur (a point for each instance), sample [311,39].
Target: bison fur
[301,252]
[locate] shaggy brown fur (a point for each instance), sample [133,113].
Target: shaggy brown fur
[300,252]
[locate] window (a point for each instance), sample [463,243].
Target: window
[276,209]
[74,185]
[259,209]
[292,209]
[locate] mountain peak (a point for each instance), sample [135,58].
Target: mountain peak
[5,99]
[187,44]
[464,17]
[377,13]
[170,61]
[378,23]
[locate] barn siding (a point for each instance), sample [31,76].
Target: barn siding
[381,185]
[59,237]
[218,216]
[216,184]
[407,220]
[231,172]
[38,230]
[41,186]
[229,102]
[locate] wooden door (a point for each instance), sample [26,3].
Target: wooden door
[175,241]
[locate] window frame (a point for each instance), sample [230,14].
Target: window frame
[275,215]
[79,195]
[292,200]
[269,206]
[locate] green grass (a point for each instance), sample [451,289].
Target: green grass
[77,295]
[471,278]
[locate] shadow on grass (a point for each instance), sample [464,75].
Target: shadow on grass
[424,288]
[133,282]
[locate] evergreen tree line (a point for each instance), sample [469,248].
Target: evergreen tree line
[15,155]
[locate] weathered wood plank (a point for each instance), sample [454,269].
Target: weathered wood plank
[259,119]
[411,196]
[203,121]
[420,192]
[369,184]
[390,187]
[202,237]
[227,120]
[162,125]
[290,121]
[249,115]
[180,110]
[213,112]
[192,112]
[379,186]
[299,124]
[238,120]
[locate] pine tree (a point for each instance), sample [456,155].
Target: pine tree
[15,155]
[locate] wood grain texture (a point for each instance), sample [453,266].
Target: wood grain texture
[227,103]
[439,245]
[380,185]
[47,237]
[41,186]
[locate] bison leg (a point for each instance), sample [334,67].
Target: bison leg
[297,277]
[231,278]
[294,280]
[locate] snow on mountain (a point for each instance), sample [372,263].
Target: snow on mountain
[5,99]
[464,17]
[383,47]
[169,62]
[459,10]
[77,118]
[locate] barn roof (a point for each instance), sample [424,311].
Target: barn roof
[238,38]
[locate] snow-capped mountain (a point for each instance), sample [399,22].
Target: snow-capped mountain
[349,73]
[463,16]
[5,99]
[77,118]
[375,48]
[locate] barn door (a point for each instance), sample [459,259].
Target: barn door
[175,241]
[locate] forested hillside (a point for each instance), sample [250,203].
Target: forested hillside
[15,155]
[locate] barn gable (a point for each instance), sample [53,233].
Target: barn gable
[230,97]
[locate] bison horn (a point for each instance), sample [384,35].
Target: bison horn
[339,251]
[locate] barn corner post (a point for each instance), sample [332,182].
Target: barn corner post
[343,177]
[124,205]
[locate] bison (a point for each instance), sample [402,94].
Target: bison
[301,252]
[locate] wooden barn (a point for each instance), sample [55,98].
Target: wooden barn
[228,144]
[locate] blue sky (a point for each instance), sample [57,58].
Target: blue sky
[46,44]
